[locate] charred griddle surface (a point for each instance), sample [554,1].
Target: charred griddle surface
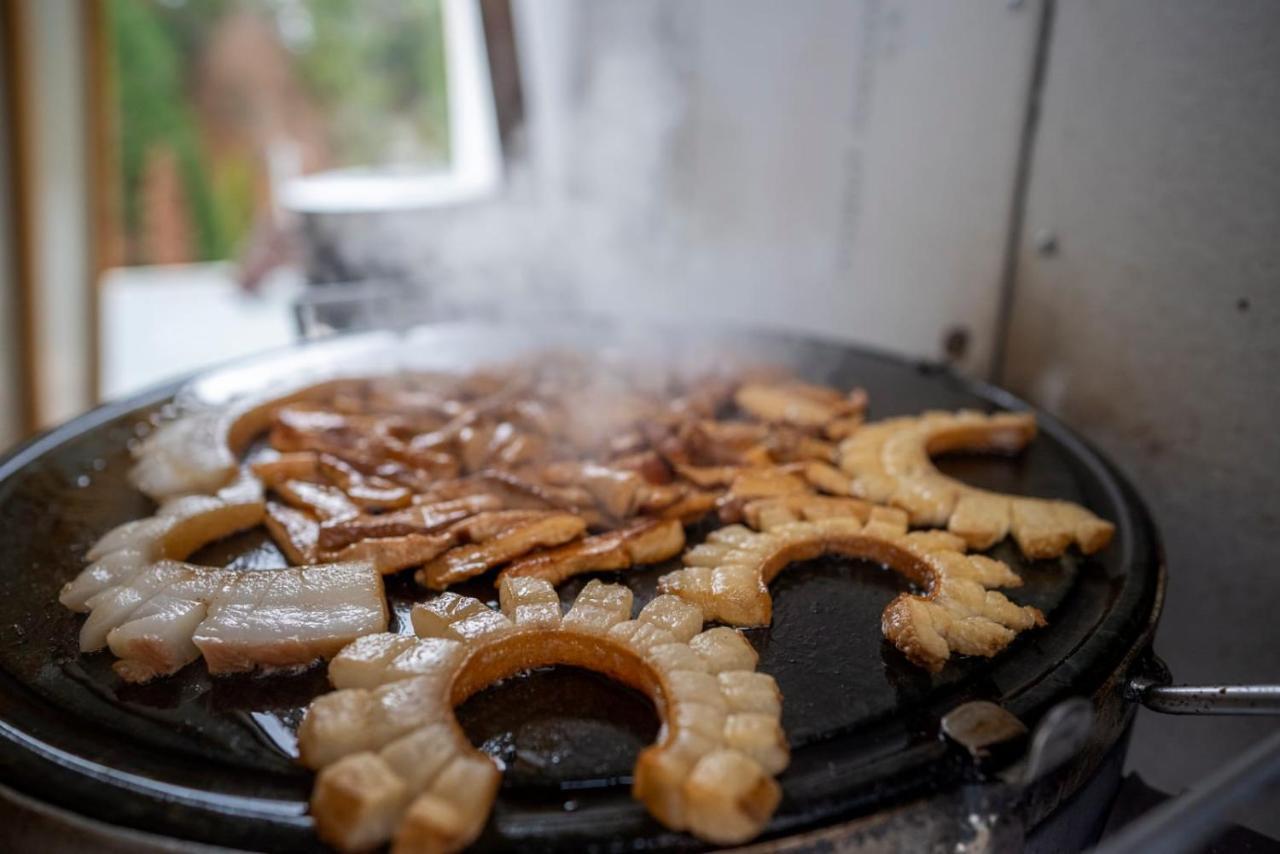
[209,759]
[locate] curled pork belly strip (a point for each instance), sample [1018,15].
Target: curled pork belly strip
[158,614]
[728,575]
[200,452]
[771,512]
[394,764]
[889,462]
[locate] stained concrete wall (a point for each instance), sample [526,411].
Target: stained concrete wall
[1155,325]
[825,166]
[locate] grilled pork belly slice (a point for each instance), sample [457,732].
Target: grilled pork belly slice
[617,491]
[485,526]
[727,577]
[296,532]
[827,478]
[691,507]
[505,544]
[803,405]
[455,617]
[708,477]
[157,640]
[753,483]
[725,650]
[419,519]
[889,462]
[789,445]
[373,660]
[393,554]
[730,795]
[360,439]
[646,542]
[319,499]
[598,608]
[802,507]
[437,820]
[394,765]
[371,492]
[451,523]
[290,617]
[108,571]
[300,465]
[171,613]
[117,605]
[180,527]
[185,456]
[574,498]
[649,465]
[158,614]
[199,452]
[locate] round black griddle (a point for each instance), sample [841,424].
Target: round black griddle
[209,759]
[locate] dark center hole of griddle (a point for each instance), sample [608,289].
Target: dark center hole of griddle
[561,728]
[825,647]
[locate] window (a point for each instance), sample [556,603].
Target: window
[225,117]
[217,104]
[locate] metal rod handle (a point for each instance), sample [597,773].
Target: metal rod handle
[1207,699]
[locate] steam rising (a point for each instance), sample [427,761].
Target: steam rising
[583,243]
[594,219]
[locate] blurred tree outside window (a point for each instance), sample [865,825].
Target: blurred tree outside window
[215,102]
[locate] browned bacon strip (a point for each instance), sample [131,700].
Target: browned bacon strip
[646,542]
[464,562]
[296,532]
[422,519]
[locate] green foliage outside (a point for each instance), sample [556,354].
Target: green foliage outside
[375,69]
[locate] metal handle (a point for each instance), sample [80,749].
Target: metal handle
[1206,699]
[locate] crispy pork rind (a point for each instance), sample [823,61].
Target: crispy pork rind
[728,575]
[395,766]
[889,463]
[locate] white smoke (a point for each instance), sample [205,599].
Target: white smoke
[565,237]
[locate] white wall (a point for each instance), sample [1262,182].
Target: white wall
[834,167]
[1155,327]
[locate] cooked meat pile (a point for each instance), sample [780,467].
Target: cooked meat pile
[536,473]
[560,466]
[549,470]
